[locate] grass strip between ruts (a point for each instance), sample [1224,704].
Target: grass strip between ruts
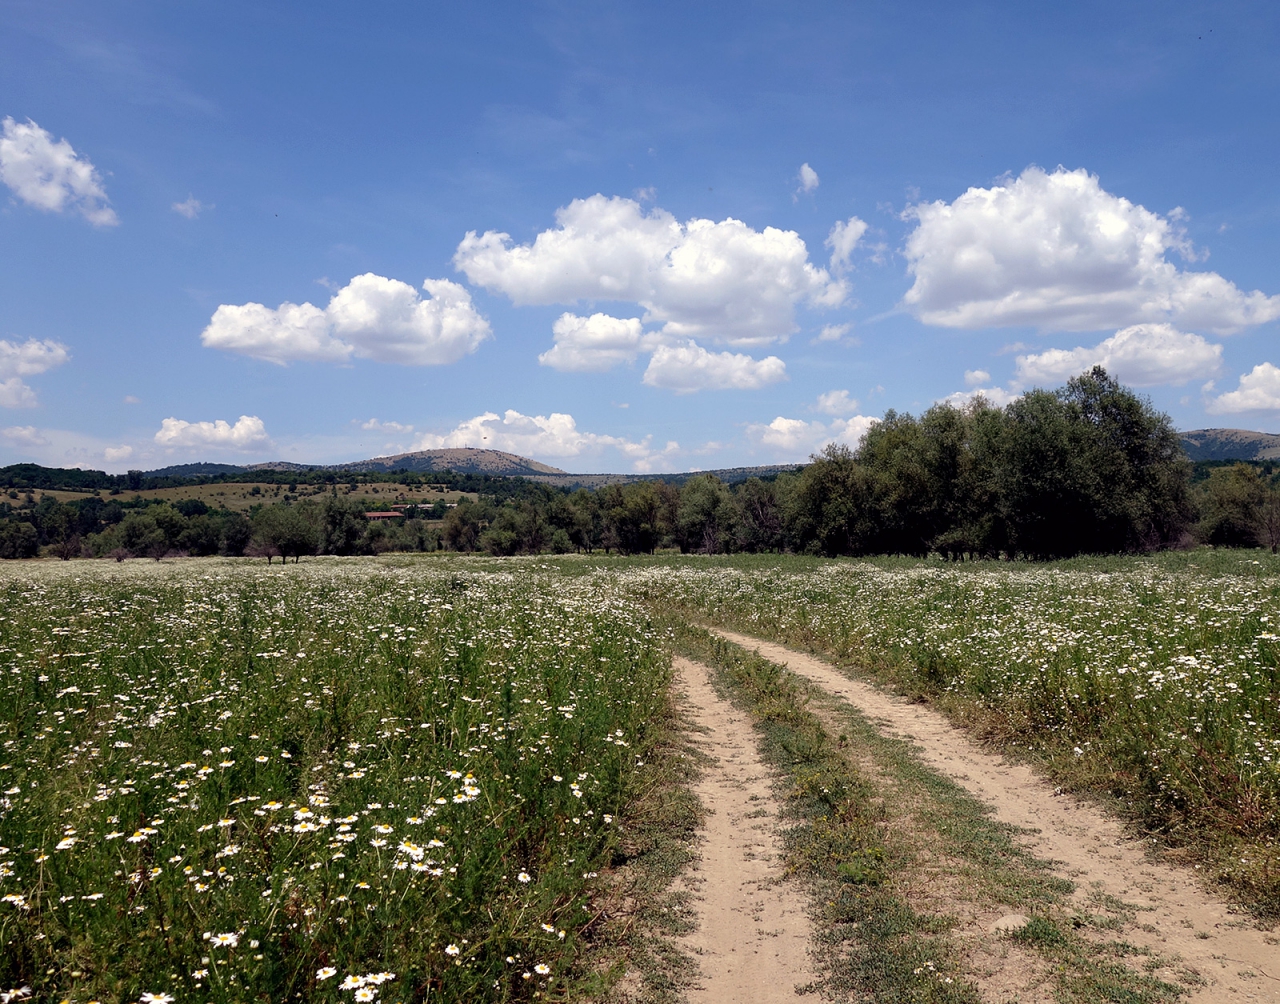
[866,814]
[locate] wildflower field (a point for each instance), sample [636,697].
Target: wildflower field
[335,781]
[1156,681]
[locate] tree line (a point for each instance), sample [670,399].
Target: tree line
[1089,468]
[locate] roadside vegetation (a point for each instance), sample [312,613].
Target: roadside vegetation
[899,861]
[1152,681]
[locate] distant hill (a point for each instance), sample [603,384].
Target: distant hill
[194,470]
[460,461]
[1230,444]
[729,475]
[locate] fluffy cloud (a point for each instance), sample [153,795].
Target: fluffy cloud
[372,317]
[808,179]
[24,435]
[836,402]
[26,359]
[1058,252]
[997,396]
[191,208]
[115,454]
[246,435]
[723,282]
[555,436]
[689,368]
[51,176]
[794,438]
[16,394]
[832,332]
[1259,390]
[844,237]
[373,425]
[31,357]
[592,344]
[1143,355]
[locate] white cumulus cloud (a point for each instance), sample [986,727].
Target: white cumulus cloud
[836,402]
[1259,390]
[373,425]
[592,344]
[1143,355]
[794,438]
[832,332]
[1058,252]
[997,396]
[16,394]
[28,358]
[247,434]
[51,175]
[723,282]
[115,454]
[191,208]
[808,179]
[689,368]
[372,317]
[554,437]
[844,237]
[24,435]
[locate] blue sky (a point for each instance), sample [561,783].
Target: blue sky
[701,235]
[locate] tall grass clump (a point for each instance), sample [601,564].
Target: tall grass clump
[1157,684]
[228,783]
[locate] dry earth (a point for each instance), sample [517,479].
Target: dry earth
[752,936]
[1174,914]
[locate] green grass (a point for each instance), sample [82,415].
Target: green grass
[871,942]
[222,781]
[1152,681]
[875,824]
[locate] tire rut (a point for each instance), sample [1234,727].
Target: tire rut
[752,936]
[1175,914]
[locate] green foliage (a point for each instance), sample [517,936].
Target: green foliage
[1149,680]
[221,782]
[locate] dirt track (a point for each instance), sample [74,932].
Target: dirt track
[752,938]
[1237,961]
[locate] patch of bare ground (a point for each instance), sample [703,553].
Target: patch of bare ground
[752,932]
[1122,893]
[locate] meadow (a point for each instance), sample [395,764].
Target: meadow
[343,781]
[406,778]
[1153,681]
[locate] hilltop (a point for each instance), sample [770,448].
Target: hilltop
[1230,444]
[495,463]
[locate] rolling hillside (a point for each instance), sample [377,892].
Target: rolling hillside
[1230,444]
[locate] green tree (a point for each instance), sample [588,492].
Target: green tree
[1234,503]
[759,520]
[706,517]
[284,530]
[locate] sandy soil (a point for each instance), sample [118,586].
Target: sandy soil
[752,936]
[1176,915]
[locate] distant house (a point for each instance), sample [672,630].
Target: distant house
[376,517]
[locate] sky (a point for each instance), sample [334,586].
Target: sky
[621,236]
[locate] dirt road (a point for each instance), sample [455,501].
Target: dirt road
[1176,915]
[752,938]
